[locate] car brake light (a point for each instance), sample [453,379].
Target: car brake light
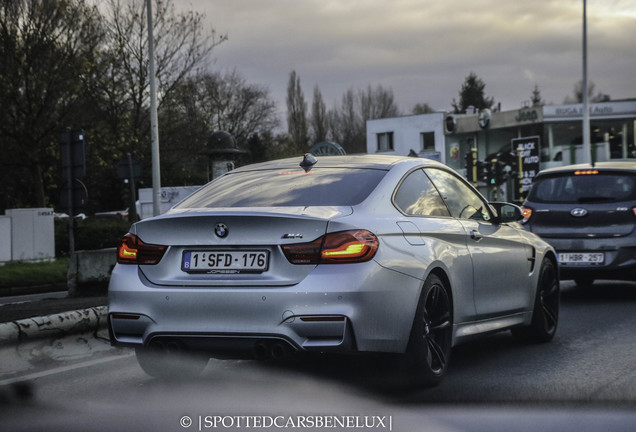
[527,214]
[634,211]
[586,172]
[336,248]
[132,250]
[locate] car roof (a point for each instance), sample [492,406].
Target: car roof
[381,162]
[621,165]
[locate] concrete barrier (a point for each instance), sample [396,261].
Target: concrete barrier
[55,325]
[90,268]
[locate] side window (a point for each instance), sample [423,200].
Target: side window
[461,200]
[417,196]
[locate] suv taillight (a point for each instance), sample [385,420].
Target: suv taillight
[132,250]
[527,214]
[343,247]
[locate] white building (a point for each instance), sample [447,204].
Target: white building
[421,135]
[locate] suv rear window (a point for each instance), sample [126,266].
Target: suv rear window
[293,188]
[580,189]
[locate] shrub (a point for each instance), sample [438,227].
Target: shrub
[90,234]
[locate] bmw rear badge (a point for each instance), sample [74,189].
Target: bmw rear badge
[221,230]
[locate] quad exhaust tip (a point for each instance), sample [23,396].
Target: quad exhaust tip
[273,350]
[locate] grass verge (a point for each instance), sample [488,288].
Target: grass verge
[18,274]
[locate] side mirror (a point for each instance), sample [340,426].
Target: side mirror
[507,213]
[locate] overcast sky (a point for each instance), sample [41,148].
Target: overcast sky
[424,49]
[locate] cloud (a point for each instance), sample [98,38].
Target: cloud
[424,50]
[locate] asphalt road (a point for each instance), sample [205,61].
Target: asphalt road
[584,380]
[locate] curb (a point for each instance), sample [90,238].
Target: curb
[37,289]
[55,325]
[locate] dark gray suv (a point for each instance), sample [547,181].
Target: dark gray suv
[588,214]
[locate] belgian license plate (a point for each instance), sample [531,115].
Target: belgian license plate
[248,261]
[582,258]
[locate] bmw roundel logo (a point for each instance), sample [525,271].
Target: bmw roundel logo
[221,230]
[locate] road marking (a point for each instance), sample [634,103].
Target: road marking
[62,369]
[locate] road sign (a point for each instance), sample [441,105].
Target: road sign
[127,167]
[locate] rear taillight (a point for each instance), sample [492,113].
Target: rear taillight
[527,214]
[634,211]
[336,248]
[132,250]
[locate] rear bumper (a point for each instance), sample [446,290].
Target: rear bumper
[333,309]
[619,258]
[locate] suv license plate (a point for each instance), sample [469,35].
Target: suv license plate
[582,258]
[252,261]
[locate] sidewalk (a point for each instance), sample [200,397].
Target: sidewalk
[49,306]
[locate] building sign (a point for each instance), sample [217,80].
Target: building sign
[485,116]
[597,110]
[530,159]
[527,115]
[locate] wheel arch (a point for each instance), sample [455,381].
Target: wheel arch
[441,273]
[552,257]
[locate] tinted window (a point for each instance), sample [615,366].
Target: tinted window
[417,196]
[318,187]
[582,189]
[461,200]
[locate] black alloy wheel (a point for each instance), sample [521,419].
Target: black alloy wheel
[545,316]
[429,348]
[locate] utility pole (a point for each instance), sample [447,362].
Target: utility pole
[587,153]
[154,128]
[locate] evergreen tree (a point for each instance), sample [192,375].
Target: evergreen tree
[473,94]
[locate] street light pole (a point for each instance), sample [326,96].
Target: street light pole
[587,153]
[154,128]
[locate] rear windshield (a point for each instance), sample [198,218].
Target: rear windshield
[318,187]
[580,189]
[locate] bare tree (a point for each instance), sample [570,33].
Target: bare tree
[319,122]
[422,108]
[578,94]
[214,102]
[377,103]
[348,122]
[296,113]
[180,46]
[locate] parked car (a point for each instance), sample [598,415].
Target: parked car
[588,214]
[339,254]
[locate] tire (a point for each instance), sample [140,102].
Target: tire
[428,352]
[545,316]
[165,363]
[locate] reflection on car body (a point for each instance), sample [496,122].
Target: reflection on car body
[344,254]
[588,214]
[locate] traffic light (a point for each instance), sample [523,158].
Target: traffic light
[498,172]
[483,171]
[470,163]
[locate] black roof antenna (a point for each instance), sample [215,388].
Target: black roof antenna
[308,162]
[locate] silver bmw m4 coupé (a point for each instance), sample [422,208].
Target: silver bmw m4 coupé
[344,254]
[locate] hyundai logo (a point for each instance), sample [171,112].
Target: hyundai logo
[221,230]
[578,212]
